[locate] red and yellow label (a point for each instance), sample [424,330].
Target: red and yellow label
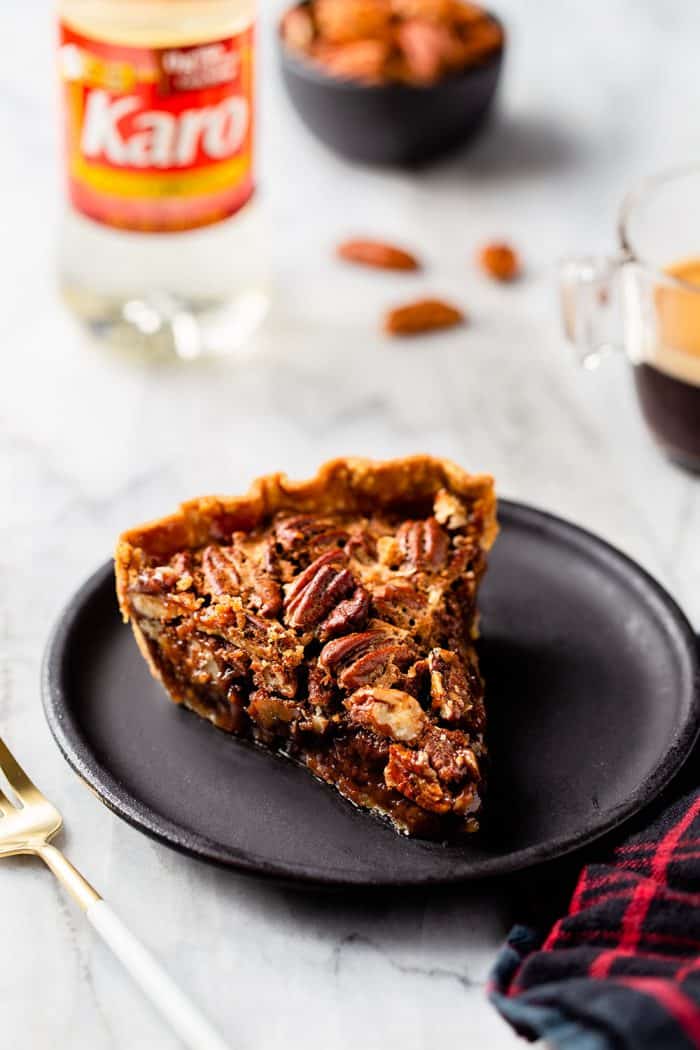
[158,139]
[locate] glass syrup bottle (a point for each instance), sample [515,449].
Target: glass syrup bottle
[162,244]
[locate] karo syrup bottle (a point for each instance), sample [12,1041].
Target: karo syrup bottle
[162,244]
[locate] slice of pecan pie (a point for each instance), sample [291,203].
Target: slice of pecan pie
[333,621]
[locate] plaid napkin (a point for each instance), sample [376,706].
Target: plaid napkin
[621,970]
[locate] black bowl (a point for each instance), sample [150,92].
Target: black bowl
[400,124]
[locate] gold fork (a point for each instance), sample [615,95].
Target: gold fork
[28,822]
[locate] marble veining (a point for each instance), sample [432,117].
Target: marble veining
[90,443]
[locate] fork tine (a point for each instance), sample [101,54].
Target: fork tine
[14,774]
[6,807]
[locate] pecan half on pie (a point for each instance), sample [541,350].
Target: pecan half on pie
[333,621]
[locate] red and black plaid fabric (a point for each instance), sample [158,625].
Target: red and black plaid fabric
[620,971]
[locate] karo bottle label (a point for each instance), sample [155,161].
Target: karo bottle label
[158,139]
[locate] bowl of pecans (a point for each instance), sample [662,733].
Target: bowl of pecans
[391,81]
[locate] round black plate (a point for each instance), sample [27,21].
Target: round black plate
[590,669]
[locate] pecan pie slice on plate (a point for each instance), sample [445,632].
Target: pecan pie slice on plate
[332,621]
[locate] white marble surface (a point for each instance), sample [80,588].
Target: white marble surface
[595,95]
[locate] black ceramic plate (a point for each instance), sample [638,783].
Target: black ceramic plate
[590,669]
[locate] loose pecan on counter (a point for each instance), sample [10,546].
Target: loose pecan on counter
[379,254]
[499,261]
[424,315]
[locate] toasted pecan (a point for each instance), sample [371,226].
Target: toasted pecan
[298,29]
[326,596]
[380,41]
[362,60]
[430,49]
[345,21]
[424,544]
[434,10]
[388,712]
[380,254]
[423,315]
[500,261]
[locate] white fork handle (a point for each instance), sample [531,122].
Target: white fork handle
[181,1014]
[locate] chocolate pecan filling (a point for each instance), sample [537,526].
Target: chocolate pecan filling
[341,638]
